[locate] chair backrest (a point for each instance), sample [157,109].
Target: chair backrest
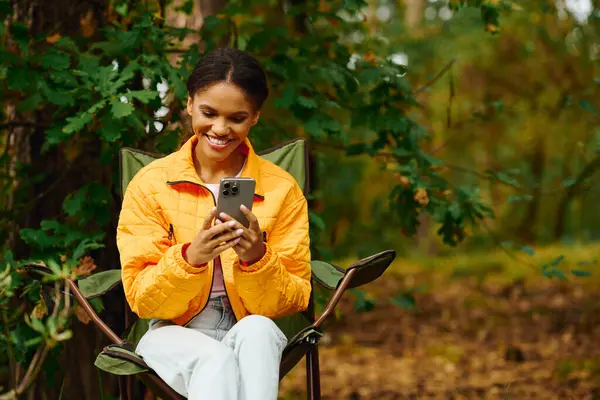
[292,156]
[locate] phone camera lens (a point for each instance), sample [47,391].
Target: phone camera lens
[226,185]
[234,190]
[226,193]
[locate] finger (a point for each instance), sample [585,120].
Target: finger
[207,223]
[244,244]
[218,230]
[226,217]
[218,250]
[223,238]
[251,218]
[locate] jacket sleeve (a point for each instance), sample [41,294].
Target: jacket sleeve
[158,282]
[279,283]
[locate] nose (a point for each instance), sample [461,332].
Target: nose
[219,128]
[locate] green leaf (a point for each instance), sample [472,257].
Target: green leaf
[362,303]
[580,272]
[287,97]
[519,198]
[568,182]
[316,220]
[55,97]
[66,43]
[142,95]
[19,78]
[187,7]
[557,261]
[30,103]
[20,34]
[122,9]
[5,9]
[97,304]
[37,325]
[120,109]
[55,60]
[354,4]
[54,136]
[83,247]
[405,300]
[504,177]
[356,149]
[126,74]
[74,202]
[528,250]
[111,129]
[586,105]
[77,123]
[307,102]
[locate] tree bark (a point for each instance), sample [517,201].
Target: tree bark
[526,230]
[572,192]
[413,13]
[61,177]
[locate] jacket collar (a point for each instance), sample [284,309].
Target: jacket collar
[182,168]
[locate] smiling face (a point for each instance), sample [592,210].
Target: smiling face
[222,117]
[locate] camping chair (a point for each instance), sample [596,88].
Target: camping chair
[302,329]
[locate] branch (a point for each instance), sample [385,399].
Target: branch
[436,77]
[459,168]
[16,124]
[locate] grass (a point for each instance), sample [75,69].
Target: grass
[505,266]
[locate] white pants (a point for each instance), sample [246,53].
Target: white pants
[215,358]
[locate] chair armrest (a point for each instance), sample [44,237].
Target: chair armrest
[87,307]
[358,274]
[99,283]
[326,274]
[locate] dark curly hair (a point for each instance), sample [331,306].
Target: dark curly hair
[232,66]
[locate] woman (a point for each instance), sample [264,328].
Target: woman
[210,285]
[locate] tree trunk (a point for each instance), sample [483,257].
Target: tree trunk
[76,362]
[413,13]
[526,231]
[574,190]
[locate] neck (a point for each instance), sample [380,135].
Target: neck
[211,171]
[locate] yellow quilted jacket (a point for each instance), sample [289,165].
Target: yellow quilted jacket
[163,209]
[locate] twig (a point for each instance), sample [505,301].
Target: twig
[436,77]
[508,252]
[450,101]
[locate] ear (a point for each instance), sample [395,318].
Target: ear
[189,107]
[255,118]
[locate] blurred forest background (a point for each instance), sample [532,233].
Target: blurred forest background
[464,134]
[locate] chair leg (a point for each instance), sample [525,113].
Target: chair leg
[313,378]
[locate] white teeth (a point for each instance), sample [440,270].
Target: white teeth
[216,141]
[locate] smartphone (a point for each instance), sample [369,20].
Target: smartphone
[233,192]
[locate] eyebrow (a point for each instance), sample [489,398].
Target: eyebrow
[209,108]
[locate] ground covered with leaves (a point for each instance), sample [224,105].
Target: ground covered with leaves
[487,327]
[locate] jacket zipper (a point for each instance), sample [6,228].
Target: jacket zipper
[172,234]
[212,282]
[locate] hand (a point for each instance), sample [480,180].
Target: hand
[251,247]
[211,241]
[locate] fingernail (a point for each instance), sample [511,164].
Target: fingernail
[236,241]
[231,224]
[223,215]
[213,210]
[239,231]
[218,221]
[243,207]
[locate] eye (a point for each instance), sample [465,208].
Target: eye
[208,114]
[238,120]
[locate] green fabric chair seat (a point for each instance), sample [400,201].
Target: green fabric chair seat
[122,360]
